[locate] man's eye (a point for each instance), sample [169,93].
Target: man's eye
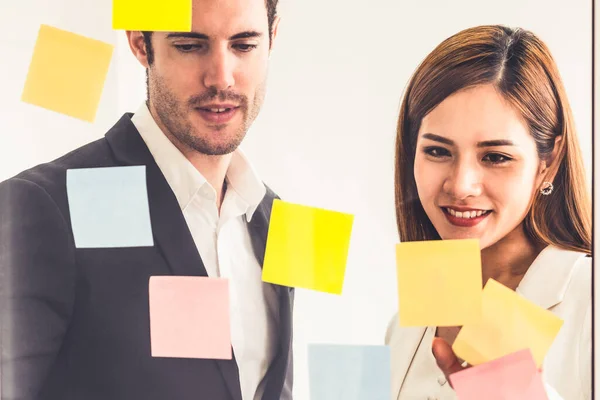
[186,48]
[245,47]
[436,151]
[496,158]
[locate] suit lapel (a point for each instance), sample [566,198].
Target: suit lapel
[403,345]
[259,228]
[170,230]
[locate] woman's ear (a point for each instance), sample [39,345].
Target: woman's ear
[549,162]
[556,148]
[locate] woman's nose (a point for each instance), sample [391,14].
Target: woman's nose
[463,181]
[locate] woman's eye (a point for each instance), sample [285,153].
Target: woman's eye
[496,158]
[436,152]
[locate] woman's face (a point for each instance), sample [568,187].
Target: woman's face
[476,166]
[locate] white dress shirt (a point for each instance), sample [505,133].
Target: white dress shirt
[558,280]
[224,244]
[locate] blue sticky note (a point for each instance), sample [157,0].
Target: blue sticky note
[109,207]
[349,372]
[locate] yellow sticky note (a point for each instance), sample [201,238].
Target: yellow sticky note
[510,323]
[439,282]
[67,73]
[153,15]
[307,247]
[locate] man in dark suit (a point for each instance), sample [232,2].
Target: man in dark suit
[75,321]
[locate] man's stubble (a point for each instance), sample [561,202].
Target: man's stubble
[175,115]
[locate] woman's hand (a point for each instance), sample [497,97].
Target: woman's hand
[446,360]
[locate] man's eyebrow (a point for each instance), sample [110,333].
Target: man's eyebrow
[187,35]
[246,35]
[197,35]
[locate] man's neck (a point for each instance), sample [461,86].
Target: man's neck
[213,168]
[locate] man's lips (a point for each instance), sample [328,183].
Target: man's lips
[217,113]
[218,107]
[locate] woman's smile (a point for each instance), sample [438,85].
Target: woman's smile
[465,217]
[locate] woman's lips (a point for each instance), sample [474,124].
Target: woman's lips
[465,222]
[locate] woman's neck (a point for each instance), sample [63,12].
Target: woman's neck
[508,260]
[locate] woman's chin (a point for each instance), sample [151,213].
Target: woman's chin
[457,235]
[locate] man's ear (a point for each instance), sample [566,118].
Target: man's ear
[138,47]
[275,29]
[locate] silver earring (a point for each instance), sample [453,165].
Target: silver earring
[547,188]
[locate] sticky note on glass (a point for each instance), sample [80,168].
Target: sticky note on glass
[512,377]
[153,15]
[510,323]
[439,282]
[189,317]
[67,73]
[349,372]
[307,247]
[109,207]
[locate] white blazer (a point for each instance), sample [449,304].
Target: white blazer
[557,280]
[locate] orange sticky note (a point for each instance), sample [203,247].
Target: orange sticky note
[439,282]
[189,317]
[153,15]
[512,377]
[510,323]
[67,73]
[307,247]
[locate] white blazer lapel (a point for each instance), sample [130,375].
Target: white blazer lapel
[548,276]
[403,344]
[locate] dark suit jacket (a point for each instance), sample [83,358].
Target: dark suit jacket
[75,322]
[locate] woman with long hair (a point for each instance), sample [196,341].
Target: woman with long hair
[486,149]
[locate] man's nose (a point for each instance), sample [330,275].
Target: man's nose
[219,73]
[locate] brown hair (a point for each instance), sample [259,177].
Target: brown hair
[522,69]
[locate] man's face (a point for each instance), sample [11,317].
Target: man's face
[206,87]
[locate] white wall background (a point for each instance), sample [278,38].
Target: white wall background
[29,134]
[325,135]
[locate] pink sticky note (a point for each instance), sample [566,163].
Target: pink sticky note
[512,377]
[189,317]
